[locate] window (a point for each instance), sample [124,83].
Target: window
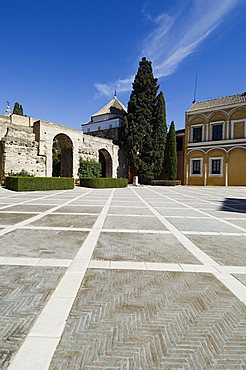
[99,128]
[196,167]
[216,166]
[110,126]
[197,134]
[88,130]
[239,130]
[217,132]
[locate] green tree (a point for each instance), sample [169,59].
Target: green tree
[159,135]
[56,155]
[137,129]
[171,153]
[18,109]
[89,168]
[21,110]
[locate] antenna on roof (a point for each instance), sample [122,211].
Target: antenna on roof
[115,94]
[194,101]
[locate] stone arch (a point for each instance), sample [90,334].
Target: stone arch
[196,150]
[218,149]
[198,119]
[106,162]
[63,166]
[220,115]
[238,113]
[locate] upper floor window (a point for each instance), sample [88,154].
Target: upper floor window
[217,131]
[239,129]
[197,134]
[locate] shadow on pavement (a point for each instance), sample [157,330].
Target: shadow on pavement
[234,205]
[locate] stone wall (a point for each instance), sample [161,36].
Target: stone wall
[19,151]
[28,145]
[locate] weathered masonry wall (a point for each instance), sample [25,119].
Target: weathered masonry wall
[26,143]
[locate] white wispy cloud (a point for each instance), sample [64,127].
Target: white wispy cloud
[176,36]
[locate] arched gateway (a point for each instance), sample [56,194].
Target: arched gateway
[105,160]
[62,156]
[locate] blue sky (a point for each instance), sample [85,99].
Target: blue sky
[63,59]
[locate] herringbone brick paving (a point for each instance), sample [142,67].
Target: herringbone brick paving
[153,248]
[41,243]
[125,319]
[23,293]
[227,250]
[152,320]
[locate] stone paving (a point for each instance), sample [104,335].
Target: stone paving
[137,278]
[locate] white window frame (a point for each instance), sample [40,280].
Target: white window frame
[221,167]
[191,167]
[232,127]
[195,126]
[211,129]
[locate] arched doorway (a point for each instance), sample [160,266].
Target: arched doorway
[62,156]
[106,163]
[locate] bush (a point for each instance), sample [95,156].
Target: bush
[22,173]
[89,168]
[104,182]
[20,183]
[163,182]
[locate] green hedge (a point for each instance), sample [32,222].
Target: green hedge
[20,183]
[164,182]
[104,182]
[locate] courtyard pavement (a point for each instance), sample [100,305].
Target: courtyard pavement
[137,278]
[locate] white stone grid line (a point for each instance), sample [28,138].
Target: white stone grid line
[207,215]
[10,228]
[204,200]
[52,319]
[235,286]
[131,265]
[30,200]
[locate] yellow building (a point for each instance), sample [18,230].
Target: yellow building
[215,142]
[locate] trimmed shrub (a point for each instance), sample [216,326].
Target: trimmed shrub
[165,182]
[104,182]
[89,168]
[22,173]
[20,183]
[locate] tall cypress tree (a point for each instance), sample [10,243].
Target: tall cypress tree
[137,129]
[159,134]
[171,152]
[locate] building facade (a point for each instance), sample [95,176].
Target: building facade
[107,122]
[215,142]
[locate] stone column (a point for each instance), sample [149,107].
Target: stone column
[205,173]
[187,173]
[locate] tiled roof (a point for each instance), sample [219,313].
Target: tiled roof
[107,109]
[219,102]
